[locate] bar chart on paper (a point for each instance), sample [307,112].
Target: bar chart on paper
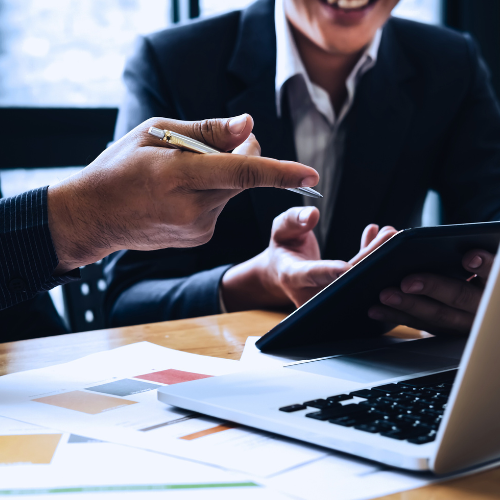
[36,462]
[112,396]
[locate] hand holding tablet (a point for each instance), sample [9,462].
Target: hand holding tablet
[440,257]
[435,303]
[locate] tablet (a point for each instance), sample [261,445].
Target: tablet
[340,311]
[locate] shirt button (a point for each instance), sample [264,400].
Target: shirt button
[17,285]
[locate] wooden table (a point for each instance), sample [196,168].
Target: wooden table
[222,336]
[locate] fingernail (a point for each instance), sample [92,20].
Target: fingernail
[237,124]
[304,215]
[375,314]
[475,262]
[393,300]
[416,286]
[309,181]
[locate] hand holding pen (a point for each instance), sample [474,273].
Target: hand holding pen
[185,143]
[140,195]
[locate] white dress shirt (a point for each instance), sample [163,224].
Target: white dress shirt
[315,124]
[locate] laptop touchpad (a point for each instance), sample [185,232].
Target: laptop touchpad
[373,366]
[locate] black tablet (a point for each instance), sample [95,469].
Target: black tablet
[339,312]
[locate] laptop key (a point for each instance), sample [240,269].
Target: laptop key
[365,393]
[344,421]
[374,429]
[422,439]
[339,397]
[336,411]
[395,399]
[402,434]
[317,403]
[389,388]
[292,408]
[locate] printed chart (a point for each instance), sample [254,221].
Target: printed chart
[36,462]
[112,396]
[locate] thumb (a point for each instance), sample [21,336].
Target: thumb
[223,134]
[295,223]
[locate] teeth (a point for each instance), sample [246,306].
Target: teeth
[351,4]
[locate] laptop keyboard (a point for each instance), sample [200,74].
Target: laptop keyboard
[410,410]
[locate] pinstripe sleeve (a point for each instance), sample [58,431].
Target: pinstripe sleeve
[27,254]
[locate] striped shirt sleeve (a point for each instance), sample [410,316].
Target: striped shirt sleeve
[27,254]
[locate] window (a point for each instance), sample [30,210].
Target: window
[70,52]
[426,11]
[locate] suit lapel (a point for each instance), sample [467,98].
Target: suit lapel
[375,128]
[253,65]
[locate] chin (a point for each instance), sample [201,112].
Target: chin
[346,26]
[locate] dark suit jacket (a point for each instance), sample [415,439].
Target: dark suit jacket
[424,117]
[27,262]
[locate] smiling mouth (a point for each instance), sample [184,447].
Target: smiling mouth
[349,5]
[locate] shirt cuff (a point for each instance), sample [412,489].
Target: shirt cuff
[28,254]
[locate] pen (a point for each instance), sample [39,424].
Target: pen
[182,142]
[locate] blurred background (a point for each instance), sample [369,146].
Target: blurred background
[71,52]
[60,73]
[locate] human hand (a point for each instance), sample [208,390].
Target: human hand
[371,239]
[437,304]
[141,195]
[290,271]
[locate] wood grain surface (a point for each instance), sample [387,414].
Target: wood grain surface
[221,336]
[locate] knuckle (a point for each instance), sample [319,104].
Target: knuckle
[207,130]
[246,176]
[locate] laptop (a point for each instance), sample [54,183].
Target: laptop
[416,406]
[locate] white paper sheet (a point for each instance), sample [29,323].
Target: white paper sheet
[93,397]
[77,467]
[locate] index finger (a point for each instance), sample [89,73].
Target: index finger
[228,171]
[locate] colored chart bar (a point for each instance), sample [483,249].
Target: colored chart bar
[131,487]
[125,387]
[207,432]
[85,402]
[28,449]
[172,376]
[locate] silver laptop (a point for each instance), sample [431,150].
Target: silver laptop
[424,404]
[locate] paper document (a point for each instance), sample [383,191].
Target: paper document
[112,396]
[39,462]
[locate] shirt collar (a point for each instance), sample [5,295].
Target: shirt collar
[289,63]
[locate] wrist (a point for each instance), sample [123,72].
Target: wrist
[71,227]
[249,285]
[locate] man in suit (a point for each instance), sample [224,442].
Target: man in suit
[384,108]
[137,194]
